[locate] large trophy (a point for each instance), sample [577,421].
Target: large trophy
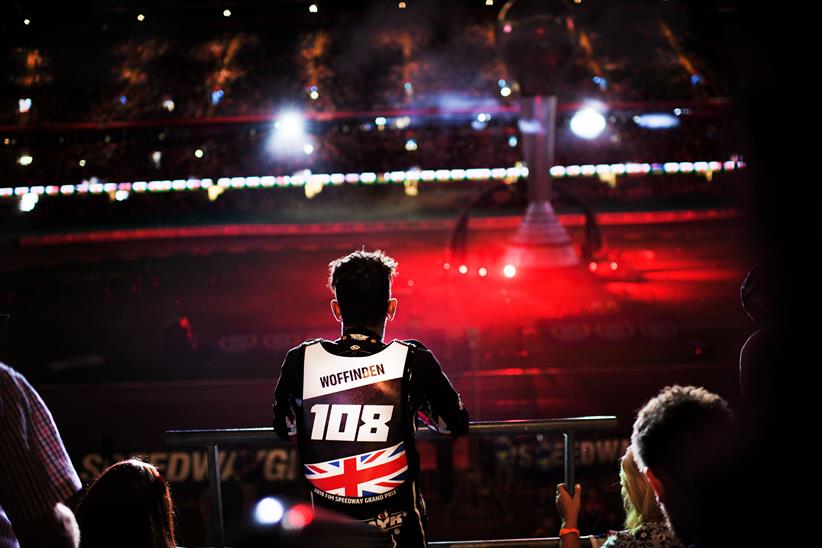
[537,41]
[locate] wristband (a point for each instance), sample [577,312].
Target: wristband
[568,531]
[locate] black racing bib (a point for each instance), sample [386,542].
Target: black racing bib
[351,439]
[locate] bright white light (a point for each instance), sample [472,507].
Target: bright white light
[483,117]
[588,123]
[26,21]
[380,120]
[312,8]
[308,149]
[268,511]
[402,5]
[81,163]
[168,104]
[402,122]
[141,17]
[25,159]
[28,201]
[314,94]
[656,121]
[410,145]
[512,141]
[483,272]
[121,195]
[24,105]
[289,124]
[505,91]
[217,96]
[226,13]
[509,271]
[489,2]
[199,153]
[463,269]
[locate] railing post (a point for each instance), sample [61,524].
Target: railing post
[214,475]
[570,461]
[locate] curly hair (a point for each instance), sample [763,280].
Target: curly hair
[361,282]
[674,431]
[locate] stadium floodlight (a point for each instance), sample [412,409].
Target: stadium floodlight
[288,136]
[289,123]
[588,123]
[268,511]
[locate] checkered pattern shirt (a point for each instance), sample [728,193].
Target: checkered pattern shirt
[35,470]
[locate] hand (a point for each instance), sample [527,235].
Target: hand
[567,506]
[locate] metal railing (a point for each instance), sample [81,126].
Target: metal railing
[211,440]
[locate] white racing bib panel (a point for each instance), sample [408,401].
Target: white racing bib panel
[324,373]
[351,436]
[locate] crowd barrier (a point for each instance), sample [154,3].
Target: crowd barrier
[211,440]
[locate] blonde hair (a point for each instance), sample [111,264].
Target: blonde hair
[637,495]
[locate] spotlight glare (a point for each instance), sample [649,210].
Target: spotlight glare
[25,159]
[509,271]
[588,123]
[410,145]
[226,13]
[308,149]
[313,8]
[24,105]
[505,91]
[121,195]
[199,153]
[141,17]
[402,5]
[81,163]
[26,22]
[614,265]
[483,272]
[290,124]
[268,511]
[463,269]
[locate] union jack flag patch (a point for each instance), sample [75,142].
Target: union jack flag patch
[361,475]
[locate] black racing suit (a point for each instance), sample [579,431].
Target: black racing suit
[353,405]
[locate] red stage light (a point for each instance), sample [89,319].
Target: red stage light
[298,517]
[592,266]
[446,266]
[614,265]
